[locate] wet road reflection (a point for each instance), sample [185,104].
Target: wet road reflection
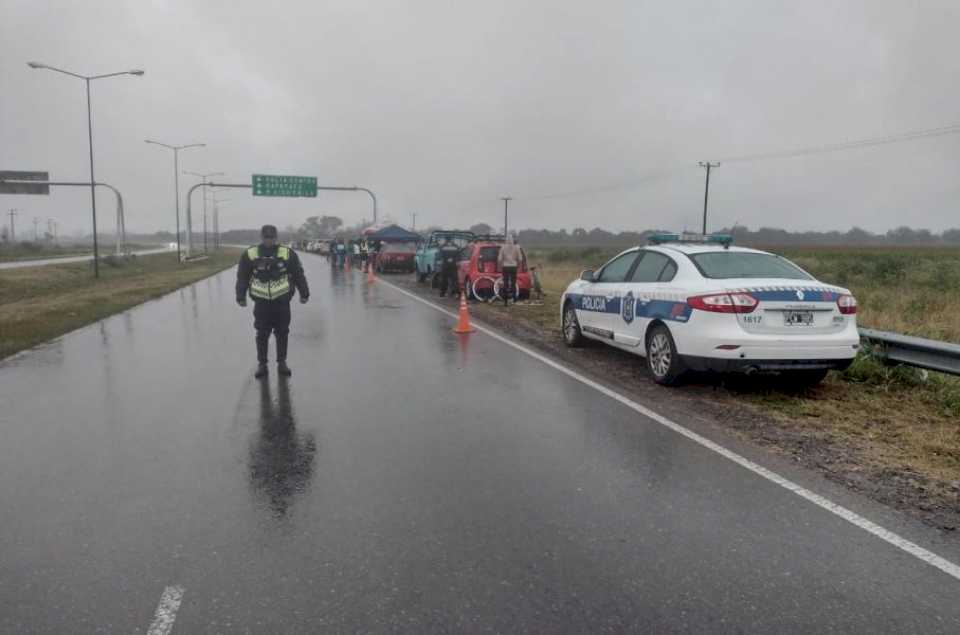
[281,457]
[405,479]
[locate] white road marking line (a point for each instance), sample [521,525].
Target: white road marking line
[166,611]
[950,568]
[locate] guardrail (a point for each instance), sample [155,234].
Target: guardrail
[913,351]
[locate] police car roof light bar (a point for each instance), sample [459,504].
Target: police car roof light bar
[715,239]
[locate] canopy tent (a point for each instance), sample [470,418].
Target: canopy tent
[394,233]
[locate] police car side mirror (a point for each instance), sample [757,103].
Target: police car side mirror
[587,274]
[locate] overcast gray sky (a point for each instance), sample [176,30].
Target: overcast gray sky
[443,107]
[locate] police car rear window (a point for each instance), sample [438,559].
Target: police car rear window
[733,264]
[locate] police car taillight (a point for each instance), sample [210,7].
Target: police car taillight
[724,303]
[847,304]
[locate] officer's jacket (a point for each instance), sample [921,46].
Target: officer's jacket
[448,254]
[270,274]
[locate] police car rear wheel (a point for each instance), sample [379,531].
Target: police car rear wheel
[662,359]
[571,327]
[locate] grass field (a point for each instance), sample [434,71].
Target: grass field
[40,303]
[40,251]
[914,291]
[30,251]
[899,416]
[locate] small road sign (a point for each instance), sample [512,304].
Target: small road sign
[273,185]
[23,188]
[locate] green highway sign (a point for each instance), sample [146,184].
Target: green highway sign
[273,185]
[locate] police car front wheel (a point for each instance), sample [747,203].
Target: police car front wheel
[571,327]
[662,359]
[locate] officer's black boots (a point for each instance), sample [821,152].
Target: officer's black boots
[262,345]
[282,367]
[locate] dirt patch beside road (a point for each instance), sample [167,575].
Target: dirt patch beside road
[865,461]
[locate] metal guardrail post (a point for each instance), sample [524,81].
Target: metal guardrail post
[943,357]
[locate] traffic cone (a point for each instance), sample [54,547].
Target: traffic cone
[370,276]
[463,324]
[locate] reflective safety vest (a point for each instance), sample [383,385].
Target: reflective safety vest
[270,279]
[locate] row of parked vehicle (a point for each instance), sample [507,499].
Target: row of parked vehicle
[478,273]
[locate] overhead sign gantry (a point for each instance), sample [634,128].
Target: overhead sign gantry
[275,185]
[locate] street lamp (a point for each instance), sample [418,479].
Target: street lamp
[93,195]
[204,177]
[216,218]
[176,190]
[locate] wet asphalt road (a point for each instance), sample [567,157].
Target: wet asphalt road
[403,480]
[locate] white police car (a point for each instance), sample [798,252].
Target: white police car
[695,302]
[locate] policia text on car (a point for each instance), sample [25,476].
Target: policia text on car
[271,273]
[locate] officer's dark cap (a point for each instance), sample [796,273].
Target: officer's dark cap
[268,231]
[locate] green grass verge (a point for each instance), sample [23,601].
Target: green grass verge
[40,303]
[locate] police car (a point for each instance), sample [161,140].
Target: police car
[696,302]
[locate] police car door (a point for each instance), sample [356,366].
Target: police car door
[600,302]
[644,297]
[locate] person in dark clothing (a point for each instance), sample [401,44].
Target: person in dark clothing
[270,274]
[448,267]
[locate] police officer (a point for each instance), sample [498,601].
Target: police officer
[270,272]
[448,267]
[364,253]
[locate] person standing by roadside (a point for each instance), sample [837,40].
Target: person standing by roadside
[364,253]
[508,260]
[448,267]
[271,273]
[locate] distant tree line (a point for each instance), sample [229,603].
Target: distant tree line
[329,226]
[763,236]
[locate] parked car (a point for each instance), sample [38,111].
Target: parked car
[396,257]
[480,276]
[427,258]
[695,302]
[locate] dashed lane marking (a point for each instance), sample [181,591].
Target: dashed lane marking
[166,613]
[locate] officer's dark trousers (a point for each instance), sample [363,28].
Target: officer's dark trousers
[448,279]
[509,283]
[271,317]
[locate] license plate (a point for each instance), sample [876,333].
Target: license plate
[798,318]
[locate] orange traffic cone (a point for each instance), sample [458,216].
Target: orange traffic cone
[463,324]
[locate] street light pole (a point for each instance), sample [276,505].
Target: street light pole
[506,201]
[204,178]
[216,218]
[13,231]
[176,190]
[706,190]
[93,194]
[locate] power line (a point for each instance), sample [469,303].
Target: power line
[623,185]
[782,154]
[848,145]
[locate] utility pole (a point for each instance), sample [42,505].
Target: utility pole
[13,230]
[706,190]
[506,201]
[36,230]
[414,215]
